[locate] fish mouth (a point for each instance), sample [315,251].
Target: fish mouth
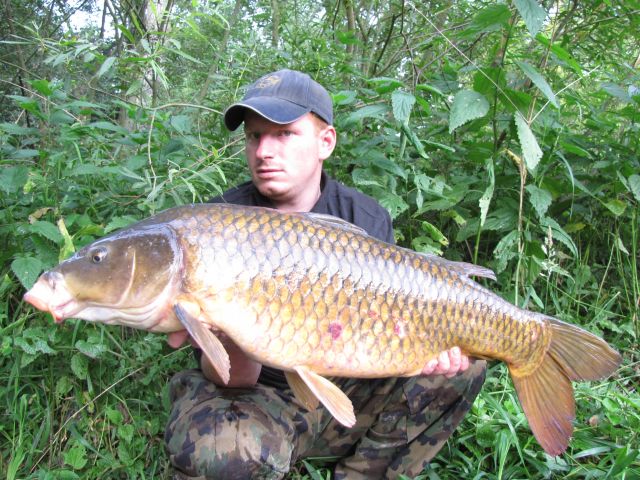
[50,294]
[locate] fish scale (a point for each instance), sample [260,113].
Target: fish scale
[314,295]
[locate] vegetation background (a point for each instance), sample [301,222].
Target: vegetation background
[502,133]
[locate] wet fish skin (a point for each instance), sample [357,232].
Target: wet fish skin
[316,296]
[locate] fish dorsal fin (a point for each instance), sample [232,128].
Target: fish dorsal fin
[462,268]
[330,221]
[301,391]
[330,395]
[208,342]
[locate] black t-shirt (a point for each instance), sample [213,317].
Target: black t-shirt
[335,199]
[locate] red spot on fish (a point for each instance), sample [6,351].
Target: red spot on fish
[335,329]
[372,314]
[396,329]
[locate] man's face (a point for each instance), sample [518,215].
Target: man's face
[286,160]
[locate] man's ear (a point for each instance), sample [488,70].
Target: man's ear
[327,138]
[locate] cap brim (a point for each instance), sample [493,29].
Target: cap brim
[273,109]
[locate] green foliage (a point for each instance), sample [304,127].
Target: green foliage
[503,134]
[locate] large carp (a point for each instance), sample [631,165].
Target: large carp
[316,296]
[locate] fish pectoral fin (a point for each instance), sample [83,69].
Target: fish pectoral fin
[301,391]
[206,339]
[329,394]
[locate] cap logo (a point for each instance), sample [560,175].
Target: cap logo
[270,81]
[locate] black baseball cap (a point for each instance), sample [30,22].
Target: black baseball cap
[282,97]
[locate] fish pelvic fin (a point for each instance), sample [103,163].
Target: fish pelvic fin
[546,394]
[206,339]
[300,390]
[334,399]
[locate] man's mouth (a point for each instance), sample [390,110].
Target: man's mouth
[268,172]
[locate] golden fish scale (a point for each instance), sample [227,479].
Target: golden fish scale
[341,302]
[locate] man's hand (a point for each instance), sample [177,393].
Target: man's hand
[449,363]
[176,339]
[244,371]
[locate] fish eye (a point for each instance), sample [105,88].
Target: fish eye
[98,255]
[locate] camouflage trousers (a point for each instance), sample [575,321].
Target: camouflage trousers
[259,432]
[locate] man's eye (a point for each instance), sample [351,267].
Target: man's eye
[253,136]
[286,133]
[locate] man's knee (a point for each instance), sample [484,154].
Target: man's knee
[227,435]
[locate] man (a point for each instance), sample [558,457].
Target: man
[253,427]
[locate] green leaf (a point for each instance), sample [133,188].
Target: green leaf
[125,432]
[13,129]
[532,13]
[505,250]
[615,206]
[364,177]
[389,166]
[47,230]
[576,150]
[490,19]
[347,38]
[76,457]
[68,248]
[430,88]
[180,52]
[80,366]
[43,87]
[385,84]
[102,125]
[560,53]
[467,105]
[92,350]
[117,223]
[394,204]
[13,179]
[344,97]
[434,233]
[134,88]
[402,104]
[531,151]
[485,200]
[182,123]
[27,269]
[558,233]
[616,91]
[539,82]
[369,111]
[63,386]
[24,153]
[415,141]
[114,416]
[634,186]
[106,66]
[34,341]
[540,199]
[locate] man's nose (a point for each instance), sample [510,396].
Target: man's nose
[266,146]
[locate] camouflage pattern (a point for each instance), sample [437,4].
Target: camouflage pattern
[258,433]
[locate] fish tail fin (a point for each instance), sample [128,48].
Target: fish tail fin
[546,394]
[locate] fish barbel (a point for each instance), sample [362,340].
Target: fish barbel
[316,296]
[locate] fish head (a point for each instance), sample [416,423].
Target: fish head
[128,278]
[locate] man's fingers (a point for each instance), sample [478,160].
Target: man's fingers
[464,363]
[176,339]
[430,366]
[444,363]
[454,362]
